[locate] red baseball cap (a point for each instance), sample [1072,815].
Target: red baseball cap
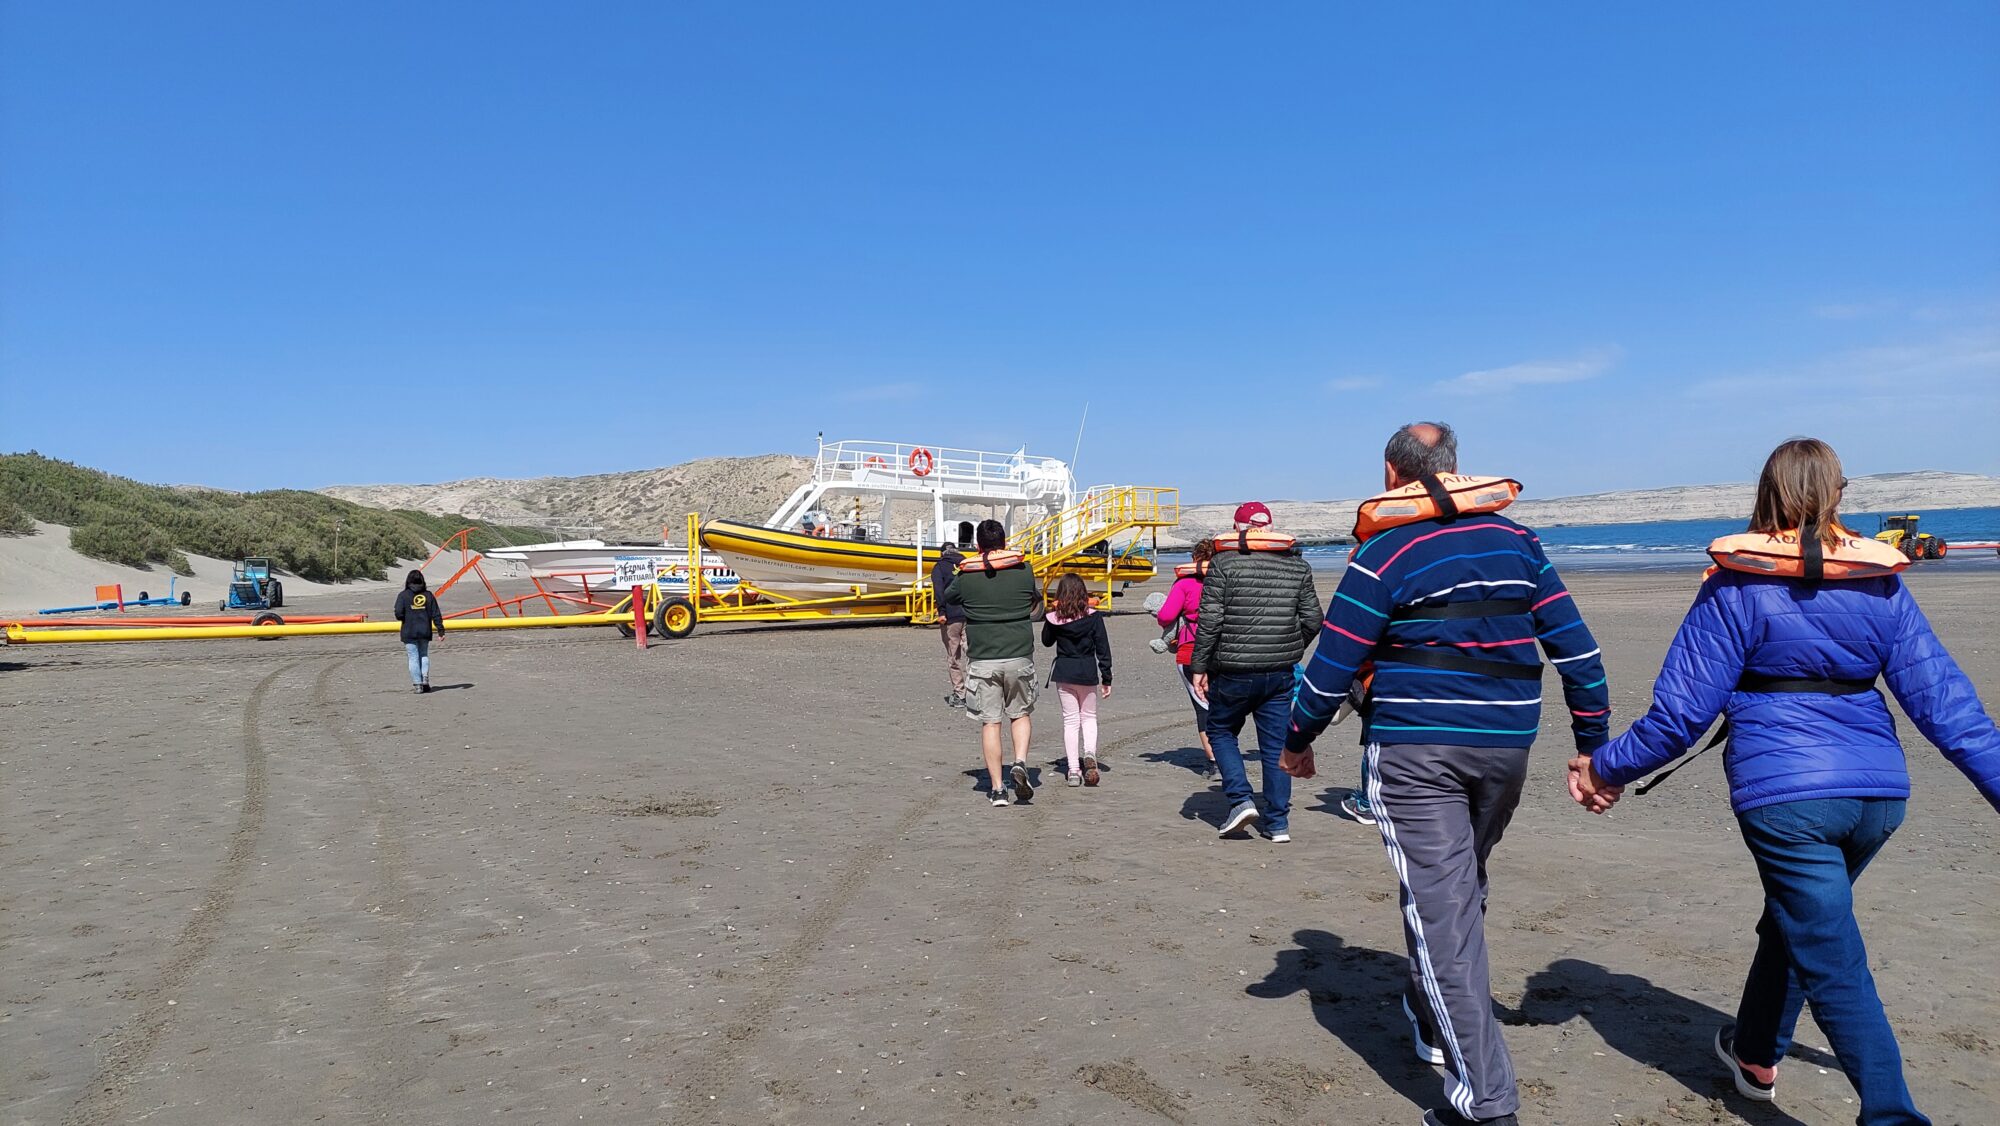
[1253,515]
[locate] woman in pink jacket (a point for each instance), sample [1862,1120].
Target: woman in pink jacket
[1184,604]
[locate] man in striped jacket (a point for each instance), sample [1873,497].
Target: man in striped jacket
[1440,616]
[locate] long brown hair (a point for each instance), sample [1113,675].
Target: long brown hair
[1204,550]
[1800,485]
[1072,598]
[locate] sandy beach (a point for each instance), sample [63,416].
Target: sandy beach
[750,877]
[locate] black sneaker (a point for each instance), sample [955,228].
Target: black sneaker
[1752,1082]
[1445,1116]
[416,688]
[999,795]
[1424,1035]
[425,687]
[1023,789]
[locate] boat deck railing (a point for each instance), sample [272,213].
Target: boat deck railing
[973,473]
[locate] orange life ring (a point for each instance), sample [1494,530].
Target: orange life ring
[921,462]
[877,461]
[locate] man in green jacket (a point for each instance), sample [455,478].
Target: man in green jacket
[997,593]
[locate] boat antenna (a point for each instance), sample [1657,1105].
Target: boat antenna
[1078,451]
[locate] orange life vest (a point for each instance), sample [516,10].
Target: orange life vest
[1787,555]
[1191,571]
[1433,498]
[992,561]
[1254,539]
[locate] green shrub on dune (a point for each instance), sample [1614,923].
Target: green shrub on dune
[14,520]
[124,521]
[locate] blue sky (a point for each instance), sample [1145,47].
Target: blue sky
[260,245]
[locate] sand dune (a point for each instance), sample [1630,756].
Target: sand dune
[41,571]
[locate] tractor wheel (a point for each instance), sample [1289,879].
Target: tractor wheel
[277,594]
[187,599]
[1936,548]
[1911,547]
[267,619]
[674,618]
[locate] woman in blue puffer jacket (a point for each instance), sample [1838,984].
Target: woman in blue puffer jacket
[1788,636]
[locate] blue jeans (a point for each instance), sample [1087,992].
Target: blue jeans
[1808,855]
[420,660]
[1266,698]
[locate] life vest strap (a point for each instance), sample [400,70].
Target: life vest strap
[1461,611]
[1812,553]
[1450,660]
[1821,685]
[1440,496]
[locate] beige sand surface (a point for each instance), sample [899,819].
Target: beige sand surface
[41,571]
[748,877]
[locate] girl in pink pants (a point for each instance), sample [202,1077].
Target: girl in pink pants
[1082,670]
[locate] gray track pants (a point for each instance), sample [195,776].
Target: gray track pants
[1440,811]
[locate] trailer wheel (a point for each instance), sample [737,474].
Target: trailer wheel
[144,597]
[626,631]
[187,599]
[277,594]
[674,618]
[267,619]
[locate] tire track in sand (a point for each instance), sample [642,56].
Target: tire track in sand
[705,1082]
[103,1100]
[975,1000]
[393,1041]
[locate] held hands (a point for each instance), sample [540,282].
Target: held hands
[1298,764]
[1201,685]
[1588,789]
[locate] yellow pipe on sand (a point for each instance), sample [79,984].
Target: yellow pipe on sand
[26,636]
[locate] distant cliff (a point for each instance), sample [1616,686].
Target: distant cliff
[640,503]
[1325,520]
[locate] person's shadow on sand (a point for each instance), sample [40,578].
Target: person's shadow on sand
[1187,758]
[1356,995]
[450,687]
[980,784]
[1206,805]
[1651,1026]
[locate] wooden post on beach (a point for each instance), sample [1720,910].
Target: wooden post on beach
[639,615]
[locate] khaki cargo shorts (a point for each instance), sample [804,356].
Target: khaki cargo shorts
[997,691]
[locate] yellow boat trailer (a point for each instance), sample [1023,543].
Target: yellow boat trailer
[1082,540]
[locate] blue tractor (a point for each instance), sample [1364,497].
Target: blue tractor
[252,587]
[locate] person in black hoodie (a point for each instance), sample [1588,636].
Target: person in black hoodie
[417,609]
[951,621]
[1082,670]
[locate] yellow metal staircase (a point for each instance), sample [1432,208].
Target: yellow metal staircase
[1084,539]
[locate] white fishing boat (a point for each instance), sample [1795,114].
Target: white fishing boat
[596,566]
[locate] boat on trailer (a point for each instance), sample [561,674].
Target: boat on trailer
[594,566]
[850,528]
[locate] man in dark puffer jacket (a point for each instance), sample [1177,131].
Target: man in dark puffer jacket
[1258,612]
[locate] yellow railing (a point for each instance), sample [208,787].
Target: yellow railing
[1097,519]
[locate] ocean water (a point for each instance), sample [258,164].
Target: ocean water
[1680,544]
